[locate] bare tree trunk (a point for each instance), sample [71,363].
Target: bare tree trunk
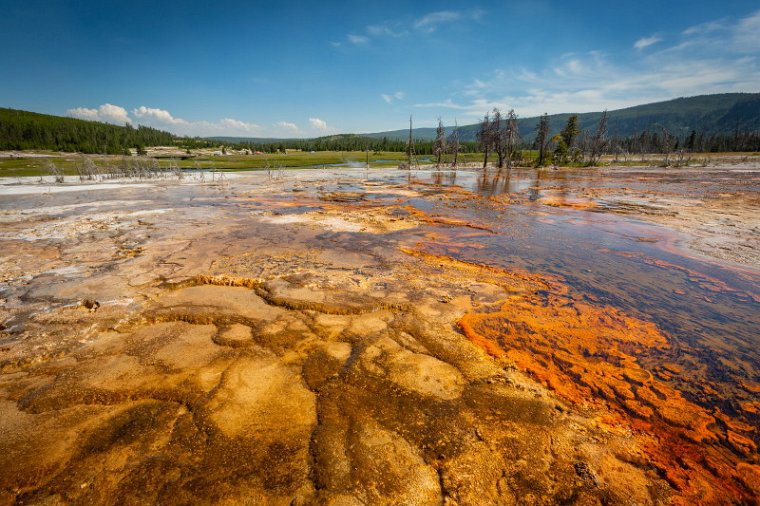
[512,136]
[410,144]
[497,137]
[454,143]
[667,141]
[542,135]
[599,141]
[485,139]
[440,143]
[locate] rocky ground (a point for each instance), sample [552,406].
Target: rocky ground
[288,341]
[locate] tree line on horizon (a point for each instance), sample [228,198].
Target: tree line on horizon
[497,135]
[500,136]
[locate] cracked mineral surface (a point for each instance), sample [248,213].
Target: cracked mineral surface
[346,337]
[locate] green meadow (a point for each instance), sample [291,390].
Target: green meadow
[68,163]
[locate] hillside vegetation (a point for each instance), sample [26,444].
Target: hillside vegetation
[721,114]
[29,130]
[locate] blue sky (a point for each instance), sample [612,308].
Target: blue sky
[302,69]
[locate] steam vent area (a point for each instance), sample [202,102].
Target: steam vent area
[383,337]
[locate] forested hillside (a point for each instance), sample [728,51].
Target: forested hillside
[709,115]
[28,130]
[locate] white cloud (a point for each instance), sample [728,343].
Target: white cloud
[238,125]
[571,67]
[645,42]
[107,113]
[399,95]
[287,125]
[163,119]
[429,23]
[83,113]
[720,35]
[318,124]
[747,33]
[388,28]
[445,104]
[704,28]
[160,115]
[357,39]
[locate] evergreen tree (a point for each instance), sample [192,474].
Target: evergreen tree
[571,131]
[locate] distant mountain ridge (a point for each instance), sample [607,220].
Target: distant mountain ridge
[709,114]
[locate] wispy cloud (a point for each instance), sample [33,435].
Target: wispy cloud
[722,35]
[107,113]
[430,22]
[236,124]
[747,33]
[287,126]
[426,24]
[399,95]
[704,28]
[319,124]
[645,42]
[388,28]
[357,39]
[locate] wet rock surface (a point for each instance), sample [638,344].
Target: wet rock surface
[343,344]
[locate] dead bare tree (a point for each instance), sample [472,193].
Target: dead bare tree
[599,141]
[497,136]
[454,145]
[485,138]
[54,171]
[411,155]
[644,145]
[512,137]
[666,145]
[542,138]
[440,143]
[86,169]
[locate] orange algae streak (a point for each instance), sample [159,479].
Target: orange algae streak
[589,355]
[569,202]
[512,281]
[433,219]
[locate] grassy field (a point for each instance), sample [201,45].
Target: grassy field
[68,163]
[37,166]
